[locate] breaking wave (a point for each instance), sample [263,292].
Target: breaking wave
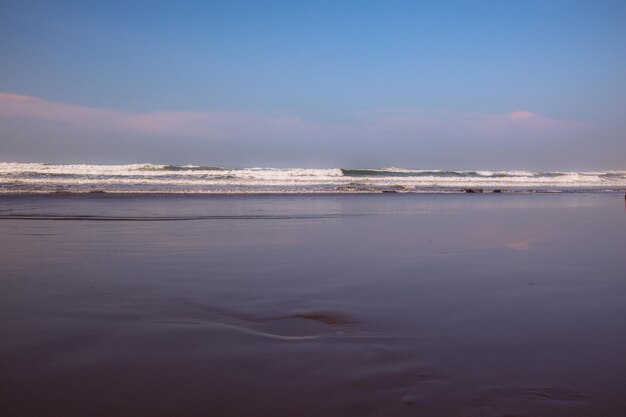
[396,172]
[155,178]
[182,168]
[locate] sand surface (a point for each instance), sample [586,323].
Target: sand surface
[348,305]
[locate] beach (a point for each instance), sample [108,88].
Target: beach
[482,304]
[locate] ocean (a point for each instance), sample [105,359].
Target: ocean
[154,178]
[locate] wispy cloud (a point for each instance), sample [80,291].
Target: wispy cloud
[467,124]
[405,122]
[17,106]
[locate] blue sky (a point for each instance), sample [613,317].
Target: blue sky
[374,83]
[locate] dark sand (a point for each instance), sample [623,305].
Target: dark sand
[350,305]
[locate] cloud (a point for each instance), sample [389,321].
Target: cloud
[16,106]
[442,123]
[520,245]
[407,123]
[521,115]
[35,129]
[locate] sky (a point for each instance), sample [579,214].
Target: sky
[415,84]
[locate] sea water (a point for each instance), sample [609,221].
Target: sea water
[153,178]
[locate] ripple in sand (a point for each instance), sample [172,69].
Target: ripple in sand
[301,325]
[515,401]
[552,394]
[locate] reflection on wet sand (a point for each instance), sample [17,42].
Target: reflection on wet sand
[483,305]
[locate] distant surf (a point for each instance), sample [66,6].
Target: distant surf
[158,178]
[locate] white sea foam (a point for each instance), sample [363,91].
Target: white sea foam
[37,177]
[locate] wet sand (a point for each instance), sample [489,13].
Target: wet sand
[335,305]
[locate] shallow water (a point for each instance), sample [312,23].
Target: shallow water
[335,305]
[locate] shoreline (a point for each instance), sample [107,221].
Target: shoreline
[305,192]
